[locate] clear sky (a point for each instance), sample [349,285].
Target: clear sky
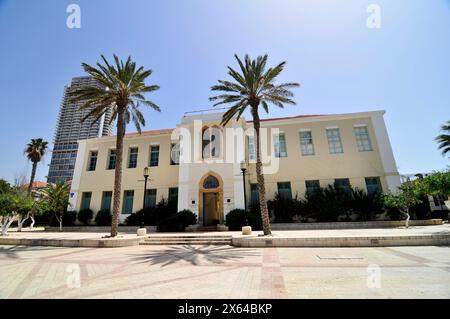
[343,66]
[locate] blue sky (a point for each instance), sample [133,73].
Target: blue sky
[343,66]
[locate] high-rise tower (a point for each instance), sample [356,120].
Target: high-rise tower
[70,129]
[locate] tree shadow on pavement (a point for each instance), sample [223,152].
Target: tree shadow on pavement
[12,251]
[195,255]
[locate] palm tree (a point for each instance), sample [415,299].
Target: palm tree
[56,197]
[444,139]
[120,88]
[253,87]
[35,152]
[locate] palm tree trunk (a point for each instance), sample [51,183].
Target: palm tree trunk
[260,176]
[33,174]
[118,172]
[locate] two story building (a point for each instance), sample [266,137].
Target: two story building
[198,163]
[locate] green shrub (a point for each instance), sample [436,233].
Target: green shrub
[327,204]
[365,206]
[69,218]
[178,222]
[235,219]
[103,217]
[152,216]
[284,209]
[85,215]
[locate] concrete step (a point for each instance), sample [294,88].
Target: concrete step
[184,242]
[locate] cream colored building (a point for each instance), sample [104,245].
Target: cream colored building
[197,164]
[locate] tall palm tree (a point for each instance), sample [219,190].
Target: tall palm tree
[444,139]
[120,88]
[35,152]
[253,87]
[56,197]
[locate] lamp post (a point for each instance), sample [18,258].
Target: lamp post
[246,230]
[142,231]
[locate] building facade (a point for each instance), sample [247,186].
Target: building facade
[198,163]
[69,130]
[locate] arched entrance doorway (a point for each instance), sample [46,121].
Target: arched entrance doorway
[210,200]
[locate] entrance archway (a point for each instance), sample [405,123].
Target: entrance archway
[210,200]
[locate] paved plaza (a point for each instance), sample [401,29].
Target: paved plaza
[224,272]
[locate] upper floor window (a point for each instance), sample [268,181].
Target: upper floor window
[154,155]
[133,157]
[174,153]
[306,143]
[284,189]
[211,142]
[92,160]
[279,142]
[373,185]
[112,159]
[334,141]
[362,138]
[251,146]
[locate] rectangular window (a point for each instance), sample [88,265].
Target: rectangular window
[154,155]
[92,160]
[112,159]
[150,198]
[312,187]
[306,143]
[251,146]
[173,195]
[106,201]
[128,197]
[174,154]
[279,142]
[86,200]
[284,189]
[373,185]
[344,184]
[254,195]
[362,138]
[133,157]
[334,141]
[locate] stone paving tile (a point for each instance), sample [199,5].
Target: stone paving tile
[224,272]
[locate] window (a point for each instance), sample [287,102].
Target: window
[312,187]
[150,198]
[284,189]
[373,185]
[173,195]
[154,155]
[211,182]
[344,184]
[254,195]
[251,145]
[362,138]
[106,201]
[112,159]
[334,141]
[211,141]
[174,153]
[132,157]
[86,200]
[128,197]
[92,161]
[279,142]
[306,143]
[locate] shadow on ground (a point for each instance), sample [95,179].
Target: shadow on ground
[193,254]
[11,251]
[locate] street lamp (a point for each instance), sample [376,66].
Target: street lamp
[146,175]
[244,169]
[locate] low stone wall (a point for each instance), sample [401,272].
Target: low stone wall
[354,225]
[99,229]
[64,242]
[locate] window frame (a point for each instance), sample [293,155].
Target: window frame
[304,148]
[282,193]
[333,140]
[150,163]
[363,141]
[130,154]
[276,138]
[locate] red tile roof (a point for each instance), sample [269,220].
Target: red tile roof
[37,184]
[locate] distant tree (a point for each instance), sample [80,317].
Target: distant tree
[35,152]
[56,198]
[120,88]
[444,138]
[8,206]
[5,187]
[437,183]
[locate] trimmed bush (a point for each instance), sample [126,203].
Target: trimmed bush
[235,219]
[178,222]
[103,217]
[366,207]
[85,216]
[152,216]
[284,209]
